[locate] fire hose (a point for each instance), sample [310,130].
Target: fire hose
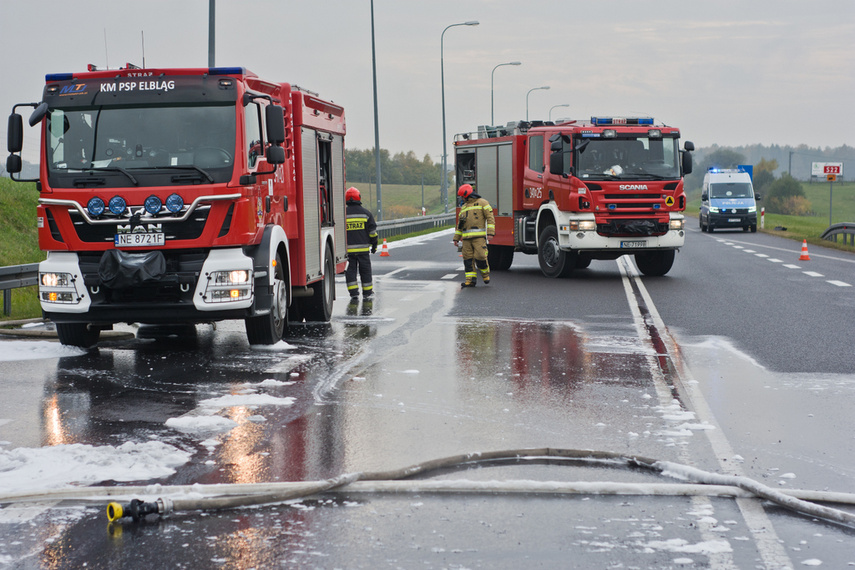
[229,496]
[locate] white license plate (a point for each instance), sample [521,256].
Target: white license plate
[630,244]
[139,240]
[734,220]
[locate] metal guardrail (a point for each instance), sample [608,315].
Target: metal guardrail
[27,275]
[845,229]
[391,228]
[15,276]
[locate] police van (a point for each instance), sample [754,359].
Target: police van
[728,200]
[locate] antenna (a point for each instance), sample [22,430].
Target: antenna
[106,56]
[142,35]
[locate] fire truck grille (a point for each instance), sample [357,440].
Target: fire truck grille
[189,229]
[628,228]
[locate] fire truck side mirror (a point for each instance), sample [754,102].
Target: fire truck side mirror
[689,146]
[556,163]
[13,164]
[15,133]
[275,155]
[687,163]
[38,114]
[274,117]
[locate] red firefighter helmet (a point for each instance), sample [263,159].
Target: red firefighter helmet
[352,194]
[465,191]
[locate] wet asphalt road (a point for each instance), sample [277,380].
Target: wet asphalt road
[732,363]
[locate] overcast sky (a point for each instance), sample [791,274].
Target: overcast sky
[725,72]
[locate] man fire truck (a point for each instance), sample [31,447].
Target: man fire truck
[577,191]
[185,196]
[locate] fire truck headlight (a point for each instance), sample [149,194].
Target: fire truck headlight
[117,205]
[95,206]
[676,224]
[153,205]
[56,280]
[224,286]
[174,203]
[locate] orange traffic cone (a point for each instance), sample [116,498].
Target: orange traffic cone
[384,250]
[804,256]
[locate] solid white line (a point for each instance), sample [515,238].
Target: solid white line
[768,544]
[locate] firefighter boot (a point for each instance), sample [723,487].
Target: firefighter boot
[484,269]
[471,275]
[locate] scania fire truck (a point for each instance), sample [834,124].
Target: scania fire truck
[577,191]
[172,196]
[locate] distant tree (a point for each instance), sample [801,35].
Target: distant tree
[402,168]
[764,174]
[786,196]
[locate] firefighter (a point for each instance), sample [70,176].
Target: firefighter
[475,224]
[361,238]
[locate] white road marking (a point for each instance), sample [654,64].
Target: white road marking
[813,274]
[791,266]
[769,546]
[450,276]
[839,283]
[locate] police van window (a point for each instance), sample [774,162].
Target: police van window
[535,153]
[255,146]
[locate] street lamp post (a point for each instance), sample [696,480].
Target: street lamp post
[444,192]
[555,107]
[376,125]
[492,75]
[526,98]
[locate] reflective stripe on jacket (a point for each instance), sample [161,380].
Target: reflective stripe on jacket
[475,219]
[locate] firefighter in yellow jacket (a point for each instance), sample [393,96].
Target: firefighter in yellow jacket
[475,223]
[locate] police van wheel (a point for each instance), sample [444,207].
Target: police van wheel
[269,328]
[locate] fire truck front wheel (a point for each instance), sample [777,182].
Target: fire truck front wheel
[655,263]
[77,334]
[554,262]
[269,328]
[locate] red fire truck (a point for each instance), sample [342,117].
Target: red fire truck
[173,196]
[577,191]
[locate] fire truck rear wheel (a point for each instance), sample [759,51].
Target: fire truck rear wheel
[655,263]
[319,306]
[500,257]
[269,328]
[554,262]
[77,334]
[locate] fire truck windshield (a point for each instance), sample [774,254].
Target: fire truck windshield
[152,142]
[628,158]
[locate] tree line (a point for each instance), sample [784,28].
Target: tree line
[401,168]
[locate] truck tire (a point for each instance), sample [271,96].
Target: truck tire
[500,257]
[319,306]
[269,328]
[553,261]
[77,334]
[655,263]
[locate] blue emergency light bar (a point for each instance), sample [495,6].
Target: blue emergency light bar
[600,121]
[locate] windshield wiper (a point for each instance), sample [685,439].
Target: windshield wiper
[112,169]
[201,171]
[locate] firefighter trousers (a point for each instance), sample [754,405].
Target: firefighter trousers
[474,252]
[361,263]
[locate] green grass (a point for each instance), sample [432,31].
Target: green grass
[19,241]
[811,227]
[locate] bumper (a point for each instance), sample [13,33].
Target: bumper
[210,287]
[732,220]
[591,240]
